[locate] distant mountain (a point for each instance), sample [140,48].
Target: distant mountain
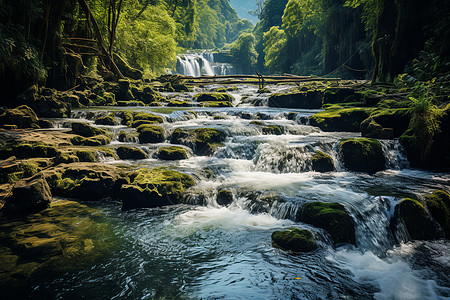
[243,7]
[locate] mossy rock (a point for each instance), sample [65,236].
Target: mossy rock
[395,120]
[340,119]
[84,181]
[148,117]
[109,120]
[216,104]
[322,162]
[331,217]
[178,103]
[272,130]
[362,154]
[65,158]
[257,123]
[340,95]
[172,153]
[151,134]
[371,129]
[127,118]
[85,130]
[12,170]
[203,141]
[305,100]
[221,97]
[224,197]
[127,137]
[34,149]
[130,103]
[291,116]
[438,203]
[263,91]
[86,155]
[296,240]
[28,196]
[154,188]
[138,123]
[413,216]
[22,116]
[97,140]
[125,152]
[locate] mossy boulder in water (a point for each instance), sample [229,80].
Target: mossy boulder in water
[306,100]
[125,152]
[363,155]
[414,217]
[221,97]
[331,217]
[154,188]
[22,117]
[322,162]
[109,120]
[272,130]
[85,130]
[371,129]
[224,197]
[84,181]
[438,204]
[393,121]
[97,140]
[203,141]
[340,119]
[28,196]
[216,104]
[296,240]
[172,153]
[150,134]
[148,117]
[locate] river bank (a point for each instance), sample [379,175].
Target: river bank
[193,182]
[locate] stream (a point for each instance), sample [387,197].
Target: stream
[200,250]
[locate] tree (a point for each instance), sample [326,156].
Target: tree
[244,53]
[275,49]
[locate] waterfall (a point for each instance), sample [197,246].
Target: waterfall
[198,64]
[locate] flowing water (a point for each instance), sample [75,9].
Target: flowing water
[199,250]
[198,64]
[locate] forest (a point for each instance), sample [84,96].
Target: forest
[173,149]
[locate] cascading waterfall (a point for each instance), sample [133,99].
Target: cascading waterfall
[198,64]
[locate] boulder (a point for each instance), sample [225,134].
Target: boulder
[148,117]
[21,117]
[84,181]
[331,217]
[362,154]
[394,120]
[296,240]
[224,197]
[340,119]
[322,162]
[150,134]
[130,153]
[306,100]
[413,216]
[47,103]
[154,188]
[221,97]
[28,196]
[109,120]
[85,130]
[203,141]
[339,95]
[172,153]
[438,204]
[97,140]
[371,129]
[86,155]
[272,130]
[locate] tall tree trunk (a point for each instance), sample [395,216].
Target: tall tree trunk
[100,41]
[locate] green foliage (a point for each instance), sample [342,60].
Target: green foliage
[244,53]
[275,49]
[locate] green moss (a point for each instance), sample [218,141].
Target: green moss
[138,123]
[322,162]
[98,140]
[331,217]
[172,153]
[33,149]
[216,104]
[148,117]
[202,140]
[272,129]
[86,130]
[412,214]
[221,97]
[257,123]
[178,103]
[362,154]
[151,134]
[127,118]
[341,119]
[109,120]
[153,188]
[297,240]
[306,100]
[130,103]
[86,155]
[438,204]
[125,152]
